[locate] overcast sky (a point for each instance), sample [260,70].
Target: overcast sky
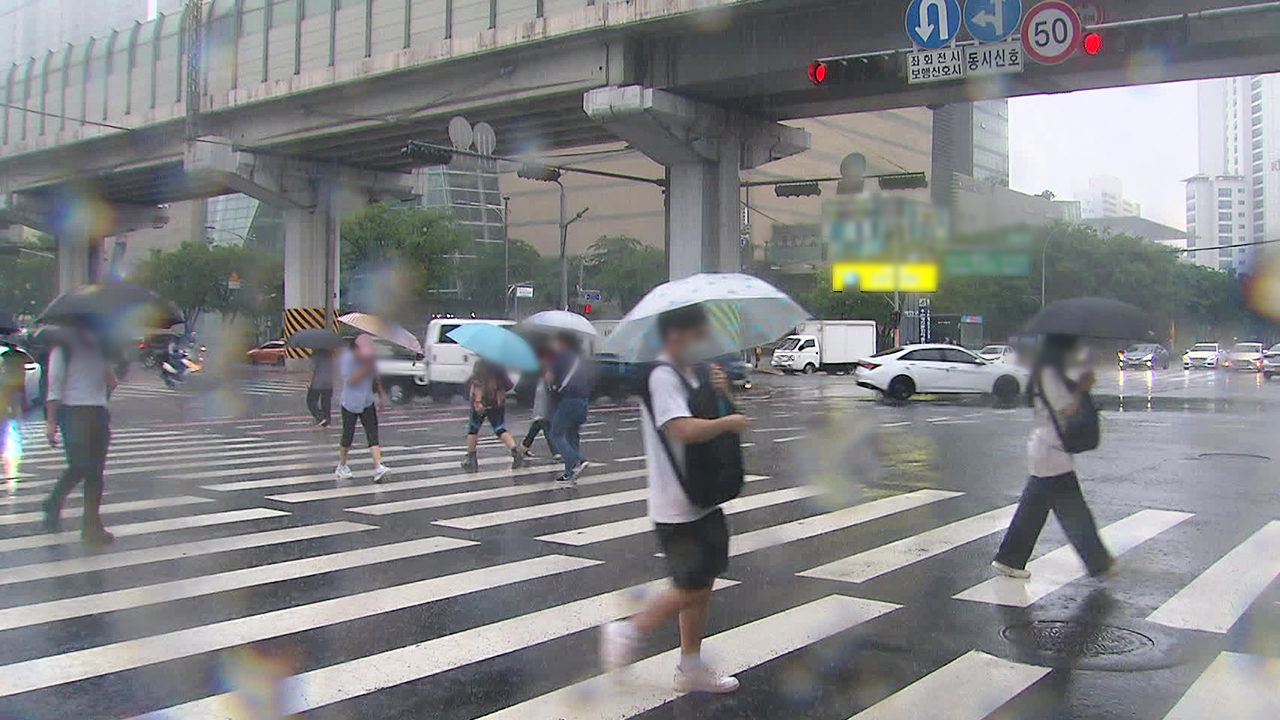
[1144,135]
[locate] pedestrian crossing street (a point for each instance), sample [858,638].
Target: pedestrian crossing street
[230,542]
[147,385]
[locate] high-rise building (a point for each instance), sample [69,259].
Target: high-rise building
[1239,122]
[969,139]
[1217,215]
[1104,198]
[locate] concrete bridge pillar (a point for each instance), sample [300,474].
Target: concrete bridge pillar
[704,148]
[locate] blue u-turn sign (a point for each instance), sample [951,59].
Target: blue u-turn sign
[932,24]
[992,20]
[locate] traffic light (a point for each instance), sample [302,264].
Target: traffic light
[1161,37]
[800,189]
[426,154]
[542,173]
[868,68]
[1092,43]
[586,309]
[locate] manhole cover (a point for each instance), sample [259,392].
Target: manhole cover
[1071,639]
[1231,456]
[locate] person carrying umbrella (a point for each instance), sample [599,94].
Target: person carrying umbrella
[320,391]
[543,409]
[359,386]
[567,377]
[487,388]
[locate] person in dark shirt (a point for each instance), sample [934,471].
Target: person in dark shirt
[568,378]
[320,393]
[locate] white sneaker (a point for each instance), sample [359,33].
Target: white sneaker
[342,472]
[582,467]
[1008,571]
[380,472]
[619,645]
[703,679]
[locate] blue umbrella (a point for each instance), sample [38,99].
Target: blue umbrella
[496,344]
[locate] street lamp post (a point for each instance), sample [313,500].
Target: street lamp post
[564,243]
[506,249]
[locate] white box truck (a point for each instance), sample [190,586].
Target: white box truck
[831,345]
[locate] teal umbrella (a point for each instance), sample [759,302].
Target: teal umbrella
[496,344]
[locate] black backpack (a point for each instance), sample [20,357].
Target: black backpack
[713,470]
[1082,432]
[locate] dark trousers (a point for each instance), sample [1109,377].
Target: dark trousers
[368,419]
[568,419]
[540,425]
[1061,494]
[320,403]
[86,433]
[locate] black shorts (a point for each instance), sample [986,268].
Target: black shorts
[697,552]
[368,419]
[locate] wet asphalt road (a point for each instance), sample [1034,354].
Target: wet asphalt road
[859,582]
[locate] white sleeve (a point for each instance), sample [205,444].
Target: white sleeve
[57,369]
[668,396]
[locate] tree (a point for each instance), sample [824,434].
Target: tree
[186,276]
[483,275]
[27,279]
[403,252]
[624,269]
[197,278]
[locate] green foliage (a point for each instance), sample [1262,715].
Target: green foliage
[27,281]
[624,269]
[483,276]
[196,278]
[415,241]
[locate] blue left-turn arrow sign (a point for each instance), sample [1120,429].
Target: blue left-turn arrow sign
[992,20]
[932,24]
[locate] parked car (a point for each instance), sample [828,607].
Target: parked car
[998,354]
[1271,361]
[270,352]
[1205,355]
[1246,356]
[1145,355]
[31,375]
[403,372]
[938,369]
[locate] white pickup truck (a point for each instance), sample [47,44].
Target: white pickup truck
[448,363]
[403,373]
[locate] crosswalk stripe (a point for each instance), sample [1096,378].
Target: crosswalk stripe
[272,482]
[270,466]
[892,556]
[105,659]
[129,558]
[434,501]
[346,492]
[369,674]
[1059,567]
[971,687]
[733,651]
[149,527]
[109,508]
[635,526]
[122,446]
[1215,600]
[231,449]
[533,512]
[25,615]
[832,521]
[1234,685]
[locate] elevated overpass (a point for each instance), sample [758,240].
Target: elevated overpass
[304,104]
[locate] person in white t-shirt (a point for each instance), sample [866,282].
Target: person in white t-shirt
[695,540]
[1053,484]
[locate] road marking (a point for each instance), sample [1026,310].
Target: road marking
[25,615]
[369,674]
[143,528]
[1233,686]
[1216,599]
[604,439]
[105,659]
[129,558]
[789,439]
[433,501]
[971,687]
[1062,566]
[832,521]
[123,448]
[271,482]
[107,509]
[268,466]
[936,419]
[117,459]
[356,491]
[895,424]
[633,458]
[733,651]
[545,510]
[592,424]
[773,430]
[957,422]
[895,555]
[636,526]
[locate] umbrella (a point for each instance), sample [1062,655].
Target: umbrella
[110,303]
[315,339]
[561,320]
[496,344]
[744,311]
[384,329]
[1095,317]
[7,323]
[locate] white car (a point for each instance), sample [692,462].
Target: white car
[1271,361]
[1245,356]
[1205,355]
[937,369]
[31,374]
[998,354]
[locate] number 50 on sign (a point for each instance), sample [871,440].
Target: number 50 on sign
[1051,32]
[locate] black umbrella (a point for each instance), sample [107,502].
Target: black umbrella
[112,302]
[1095,317]
[7,323]
[315,339]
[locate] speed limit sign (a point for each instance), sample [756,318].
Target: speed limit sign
[1051,32]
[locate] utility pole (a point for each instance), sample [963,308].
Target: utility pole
[506,249]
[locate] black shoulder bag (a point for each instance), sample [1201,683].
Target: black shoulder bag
[1082,431]
[713,470]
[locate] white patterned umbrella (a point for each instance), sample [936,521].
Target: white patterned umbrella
[744,311]
[560,320]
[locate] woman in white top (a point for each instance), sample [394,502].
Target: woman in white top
[1053,484]
[80,380]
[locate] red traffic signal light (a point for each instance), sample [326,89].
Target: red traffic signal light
[817,72]
[586,309]
[1092,43]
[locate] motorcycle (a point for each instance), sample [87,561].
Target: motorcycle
[175,369]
